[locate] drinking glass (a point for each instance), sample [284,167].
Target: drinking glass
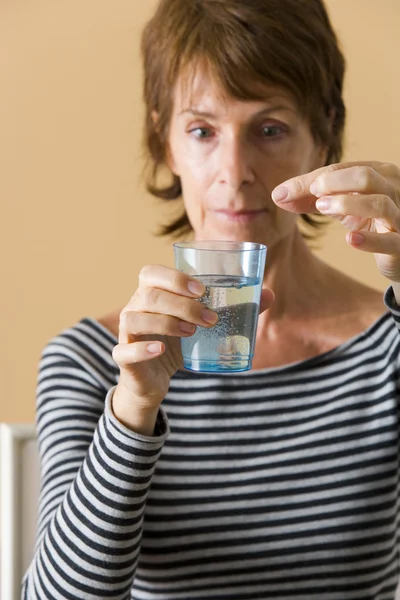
[232,273]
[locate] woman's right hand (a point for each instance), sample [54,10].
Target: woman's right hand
[163,309]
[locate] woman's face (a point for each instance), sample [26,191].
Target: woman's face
[231,154]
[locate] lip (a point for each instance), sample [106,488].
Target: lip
[240,216]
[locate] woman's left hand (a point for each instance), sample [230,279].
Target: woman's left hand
[364,196]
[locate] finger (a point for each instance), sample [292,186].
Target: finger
[294,194]
[161,277]
[267,299]
[128,354]
[139,324]
[161,302]
[378,243]
[375,206]
[360,179]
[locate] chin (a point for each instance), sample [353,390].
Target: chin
[264,229]
[238,234]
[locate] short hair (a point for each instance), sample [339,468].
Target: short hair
[288,43]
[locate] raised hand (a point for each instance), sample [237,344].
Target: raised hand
[164,308]
[363,196]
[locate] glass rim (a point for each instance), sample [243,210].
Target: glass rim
[220,246]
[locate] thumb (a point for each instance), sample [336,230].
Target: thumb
[267,299]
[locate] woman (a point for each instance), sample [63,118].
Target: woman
[281,482]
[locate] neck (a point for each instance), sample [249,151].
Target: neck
[298,279]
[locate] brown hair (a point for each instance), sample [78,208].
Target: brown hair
[289,43]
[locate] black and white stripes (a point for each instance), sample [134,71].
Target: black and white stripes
[281,483]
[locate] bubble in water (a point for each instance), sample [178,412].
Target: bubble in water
[230,343]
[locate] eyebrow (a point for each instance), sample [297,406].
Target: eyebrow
[209,115]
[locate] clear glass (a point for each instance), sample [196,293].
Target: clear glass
[233,274]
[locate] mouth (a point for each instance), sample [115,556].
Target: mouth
[240,216]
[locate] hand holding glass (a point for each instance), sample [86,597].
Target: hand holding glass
[232,273]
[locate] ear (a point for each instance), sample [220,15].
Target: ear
[331,117]
[154,118]
[322,156]
[323,150]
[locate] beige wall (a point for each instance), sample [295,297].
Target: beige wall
[76,222]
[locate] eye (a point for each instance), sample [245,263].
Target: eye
[201,133]
[268,131]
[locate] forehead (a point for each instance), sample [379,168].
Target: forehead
[199,88]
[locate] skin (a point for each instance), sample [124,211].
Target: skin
[365,198]
[231,156]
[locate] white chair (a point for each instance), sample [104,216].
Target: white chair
[19,493]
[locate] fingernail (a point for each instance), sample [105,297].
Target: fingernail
[323,205]
[280,193]
[196,288]
[186,327]
[315,188]
[209,316]
[357,238]
[154,348]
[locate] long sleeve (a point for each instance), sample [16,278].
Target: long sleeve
[95,475]
[391,304]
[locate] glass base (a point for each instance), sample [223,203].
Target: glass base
[233,365]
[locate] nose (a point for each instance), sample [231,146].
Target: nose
[235,168]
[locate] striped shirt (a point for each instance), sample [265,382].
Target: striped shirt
[277,483]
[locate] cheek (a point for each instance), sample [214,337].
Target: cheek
[195,167]
[196,176]
[192,161]
[195,183]
[277,163]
